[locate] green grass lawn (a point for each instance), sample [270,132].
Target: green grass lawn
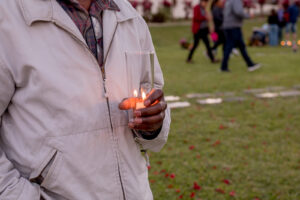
[253,145]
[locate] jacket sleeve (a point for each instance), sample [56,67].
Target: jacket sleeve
[12,185]
[157,143]
[238,9]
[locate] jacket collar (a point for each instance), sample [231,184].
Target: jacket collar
[51,11]
[48,10]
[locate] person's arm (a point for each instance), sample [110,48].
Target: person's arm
[153,131]
[238,9]
[12,185]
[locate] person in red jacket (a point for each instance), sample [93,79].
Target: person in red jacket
[200,30]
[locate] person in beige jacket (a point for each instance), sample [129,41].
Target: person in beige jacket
[65,132]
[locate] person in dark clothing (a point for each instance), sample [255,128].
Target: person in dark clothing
[233,20]
[273,28]
[291,26]
[217,11]
[200,30]
[281,21]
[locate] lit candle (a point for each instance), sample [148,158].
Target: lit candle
[140,102]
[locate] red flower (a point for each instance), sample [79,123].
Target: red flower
[166,175]
[221,191]
[159,162]
[192,147]
[162,171]
[152,181]
[217,143]
[192,195]
[177,190]
[155,173]
[172,176]
[167,4]
[232,193]
[180,197]
[149,167]
[170,186]
[198,156]
[196,186]
[222,127]
[214,167]
[227,182]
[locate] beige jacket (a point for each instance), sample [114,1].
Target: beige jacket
[56,119]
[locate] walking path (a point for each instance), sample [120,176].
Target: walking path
[222,97]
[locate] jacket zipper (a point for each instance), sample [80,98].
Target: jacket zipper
[102,71]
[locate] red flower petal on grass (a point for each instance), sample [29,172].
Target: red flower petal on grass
[155,172]
[159,162]
[232,193]
[226,181]
[232,120]
[172,176]
[177,190]
[217,143]
[221,191]
[167,175]
[256,198]
[149,167]
[196,186]
[152,181]
[222,127]
[192,195]
[170,186]
[214,167]
[198,156]
[192,147]
[180,197]
[162,171]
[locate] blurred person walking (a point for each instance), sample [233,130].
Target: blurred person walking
[233,20]
[291,26]
[200,30]
[217,12]
[281,21]
[273,28]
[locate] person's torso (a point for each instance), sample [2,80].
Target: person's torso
[60,109]
[293,13]
[204,24]
[218,17]
[231,20]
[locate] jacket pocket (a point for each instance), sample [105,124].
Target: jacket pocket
[49,170]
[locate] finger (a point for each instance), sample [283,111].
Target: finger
[152,110]
[127,104]
[144,127]
[156,94]
[151,120]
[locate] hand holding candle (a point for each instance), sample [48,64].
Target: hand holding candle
[149,113]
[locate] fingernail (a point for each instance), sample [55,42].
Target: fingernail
[138,120]
[147,102]
[137,113]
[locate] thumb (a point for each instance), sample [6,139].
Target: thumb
[128,103]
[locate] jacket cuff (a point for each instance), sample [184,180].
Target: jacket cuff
[147,135]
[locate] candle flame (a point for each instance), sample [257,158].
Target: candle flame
[135,93]
[143,95]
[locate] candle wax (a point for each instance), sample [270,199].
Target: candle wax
[139,105]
